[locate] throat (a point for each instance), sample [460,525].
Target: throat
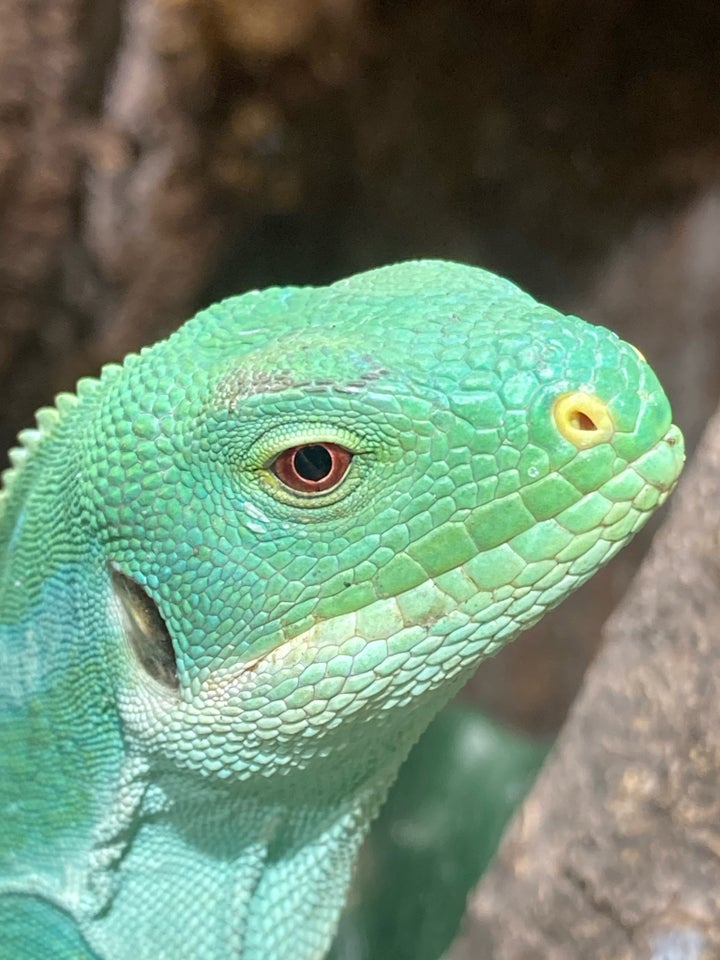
[217,873]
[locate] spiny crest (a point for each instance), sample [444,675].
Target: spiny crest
[46,419]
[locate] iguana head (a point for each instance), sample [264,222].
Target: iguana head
[321,508]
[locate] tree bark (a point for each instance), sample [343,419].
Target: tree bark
[615,854]
[141,144]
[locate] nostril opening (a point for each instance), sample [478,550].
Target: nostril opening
[581,421]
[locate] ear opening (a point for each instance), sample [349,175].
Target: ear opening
[146,631]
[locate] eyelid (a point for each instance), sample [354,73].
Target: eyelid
[264,451]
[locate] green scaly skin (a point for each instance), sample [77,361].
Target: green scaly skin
[208,680]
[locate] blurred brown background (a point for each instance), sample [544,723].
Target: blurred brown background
[158,154]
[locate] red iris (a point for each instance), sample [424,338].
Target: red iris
[312,467]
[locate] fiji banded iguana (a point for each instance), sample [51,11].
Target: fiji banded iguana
[241,572]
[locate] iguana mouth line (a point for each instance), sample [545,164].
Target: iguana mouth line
[318,634]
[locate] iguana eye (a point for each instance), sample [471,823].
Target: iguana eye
[312,467]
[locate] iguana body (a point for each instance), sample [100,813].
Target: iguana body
[241,572]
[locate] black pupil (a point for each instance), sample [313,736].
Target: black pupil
[313,462]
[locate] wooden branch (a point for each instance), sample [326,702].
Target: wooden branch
[616,852]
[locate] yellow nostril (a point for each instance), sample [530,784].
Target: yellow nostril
[583,419]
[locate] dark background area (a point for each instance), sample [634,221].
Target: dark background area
[158,154]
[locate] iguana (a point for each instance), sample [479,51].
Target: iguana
[241,572]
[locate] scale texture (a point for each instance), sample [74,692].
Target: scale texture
[241,572]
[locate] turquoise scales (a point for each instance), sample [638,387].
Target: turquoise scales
[241,572]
